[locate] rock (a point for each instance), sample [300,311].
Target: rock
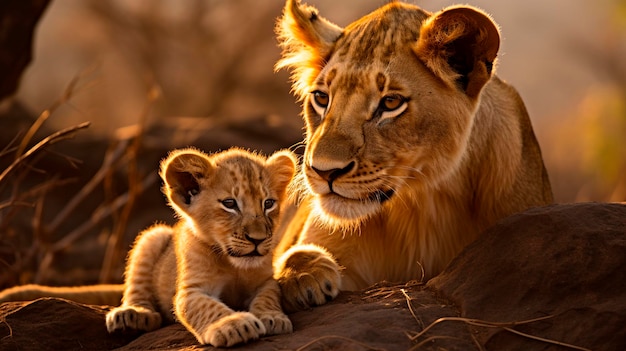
[378,318]
[55,324]
[565,262]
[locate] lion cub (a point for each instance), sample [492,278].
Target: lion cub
[217,261]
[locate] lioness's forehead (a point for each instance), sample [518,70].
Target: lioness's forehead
[377,35]
[350,79]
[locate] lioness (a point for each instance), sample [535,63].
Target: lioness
[413,146]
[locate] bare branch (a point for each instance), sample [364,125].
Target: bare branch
[49,140]
[114,245]
[109,161]
[67,95]
[100,214]
[504,325]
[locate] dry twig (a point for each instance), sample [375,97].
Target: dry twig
[49,140]
[110,159]
[408,302]
[102,212]
[114,245]
[508,326]
[41,251]
[67,95]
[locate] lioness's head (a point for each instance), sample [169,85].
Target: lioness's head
[231,200]
[388,101]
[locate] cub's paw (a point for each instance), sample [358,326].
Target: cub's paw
[308,276]
[233,329]
[276,323]
[132,318]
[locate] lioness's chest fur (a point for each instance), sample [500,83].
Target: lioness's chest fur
[398,244]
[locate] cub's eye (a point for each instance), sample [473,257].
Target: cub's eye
[229,204]
[393,102]
[321,98]
[269,204]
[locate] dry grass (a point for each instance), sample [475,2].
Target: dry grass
[508,326]
[27,256]
[114,249]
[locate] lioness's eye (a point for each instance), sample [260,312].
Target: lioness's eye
[229,204]
[321,98]
[391,106]
[390,103]
[269,204]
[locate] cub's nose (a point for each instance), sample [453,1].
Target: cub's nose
[331,174]
[253,240]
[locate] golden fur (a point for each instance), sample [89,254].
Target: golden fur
[101,294]
[413,146]
[218,259]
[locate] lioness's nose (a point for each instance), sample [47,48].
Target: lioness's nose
[331,174]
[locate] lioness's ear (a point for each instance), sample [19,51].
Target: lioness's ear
[460,45]
[306,39]
[181,172]
[281,166]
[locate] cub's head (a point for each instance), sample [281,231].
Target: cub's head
[231,200]
[388,101]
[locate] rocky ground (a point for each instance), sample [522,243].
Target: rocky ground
[552,278]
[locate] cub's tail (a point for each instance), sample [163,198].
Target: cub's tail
[101,294]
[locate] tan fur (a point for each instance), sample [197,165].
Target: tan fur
[103,294]
[218,259]
[413,146]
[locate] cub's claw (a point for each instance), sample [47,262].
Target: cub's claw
[132,318]
[239,327]
[276,323]
[308,276]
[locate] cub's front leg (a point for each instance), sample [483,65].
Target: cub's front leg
[212,322]
[139,309]
[308,276]
[266,306]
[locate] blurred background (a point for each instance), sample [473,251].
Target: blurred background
[152,75]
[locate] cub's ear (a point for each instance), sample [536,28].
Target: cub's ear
[460,44]
[181,172]
[307,40]
[281,166]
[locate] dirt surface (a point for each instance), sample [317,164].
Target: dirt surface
[377,318]
[563,261]
[562,267]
